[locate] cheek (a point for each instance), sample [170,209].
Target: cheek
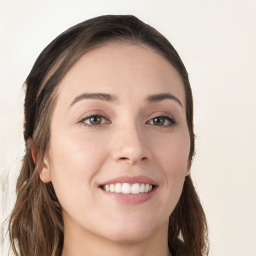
[173,153]
[75,161]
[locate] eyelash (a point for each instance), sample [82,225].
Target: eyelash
[83,121]
[171,121]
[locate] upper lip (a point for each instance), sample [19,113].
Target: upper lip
[131,180]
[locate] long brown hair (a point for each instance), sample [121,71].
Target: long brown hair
[36,224]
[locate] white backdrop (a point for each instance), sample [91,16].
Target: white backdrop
[217,42]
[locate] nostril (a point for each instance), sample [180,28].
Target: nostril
[123,158]
[127,158]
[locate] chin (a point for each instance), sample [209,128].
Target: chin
[133,231]
[129,236]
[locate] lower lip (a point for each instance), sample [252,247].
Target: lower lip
[131,198]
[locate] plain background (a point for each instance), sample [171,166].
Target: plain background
[217,42]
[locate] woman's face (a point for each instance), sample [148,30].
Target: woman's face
[119,122]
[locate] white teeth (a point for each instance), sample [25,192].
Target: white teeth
[107,187]
[135,188]
[127,188]
[112,188]
[118,188]
[142,188]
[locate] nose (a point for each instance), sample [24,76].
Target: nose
[131,146]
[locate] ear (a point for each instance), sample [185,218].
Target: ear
[44,170]
[188,167]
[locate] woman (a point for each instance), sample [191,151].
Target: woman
[110,141]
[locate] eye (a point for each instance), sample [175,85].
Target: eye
[162,121]
[94,120]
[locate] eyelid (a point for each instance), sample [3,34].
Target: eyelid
[169,118]
[93,114]
[172,121]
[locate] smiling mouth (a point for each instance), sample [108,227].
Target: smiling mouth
[127,188]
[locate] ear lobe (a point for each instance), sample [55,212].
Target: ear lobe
[44,172]
[188,167]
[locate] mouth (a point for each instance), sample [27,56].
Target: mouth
[127,188]
[130,190]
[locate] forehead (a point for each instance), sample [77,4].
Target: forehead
[119,67]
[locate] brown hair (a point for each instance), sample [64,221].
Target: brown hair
[36,225]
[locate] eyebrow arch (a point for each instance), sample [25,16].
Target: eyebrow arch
[95,96]
[163,96]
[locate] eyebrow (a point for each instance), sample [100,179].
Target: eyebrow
[113,98]
[163,96]
[94,96]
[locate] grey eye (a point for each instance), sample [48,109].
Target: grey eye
[162,121]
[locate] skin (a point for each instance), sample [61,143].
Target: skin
[82,155]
